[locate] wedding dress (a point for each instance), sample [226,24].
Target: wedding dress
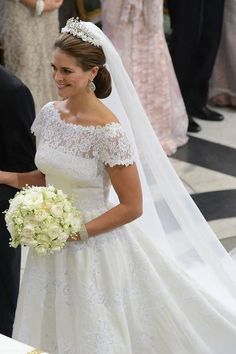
[116,293]
[162,284]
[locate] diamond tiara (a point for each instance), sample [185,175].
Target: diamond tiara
[78,29]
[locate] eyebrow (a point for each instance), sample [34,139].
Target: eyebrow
[64,67]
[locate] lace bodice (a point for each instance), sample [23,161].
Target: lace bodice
[74,157]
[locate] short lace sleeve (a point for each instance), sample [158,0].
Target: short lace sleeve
[37,125]
[115,146]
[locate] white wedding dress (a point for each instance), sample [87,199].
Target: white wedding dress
[115,293]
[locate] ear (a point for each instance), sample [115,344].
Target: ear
[94,72]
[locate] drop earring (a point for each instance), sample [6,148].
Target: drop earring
[92,86]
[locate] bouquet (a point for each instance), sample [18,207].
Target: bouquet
[42,218]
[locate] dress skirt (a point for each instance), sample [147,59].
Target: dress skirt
[117,294]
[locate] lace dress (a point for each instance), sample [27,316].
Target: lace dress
[114,293]
[136,30]
[28,40]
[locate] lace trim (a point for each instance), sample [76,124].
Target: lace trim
[108,143]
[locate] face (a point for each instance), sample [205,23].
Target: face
[70,79]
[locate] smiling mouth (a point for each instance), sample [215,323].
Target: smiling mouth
[61,86]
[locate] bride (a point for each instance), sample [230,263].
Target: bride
[160,284]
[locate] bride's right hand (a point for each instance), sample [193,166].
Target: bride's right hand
[3,177]
[50,5]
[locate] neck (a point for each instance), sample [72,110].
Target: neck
[81,103]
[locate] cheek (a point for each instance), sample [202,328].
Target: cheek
[81,81]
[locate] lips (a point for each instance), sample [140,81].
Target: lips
[60,87]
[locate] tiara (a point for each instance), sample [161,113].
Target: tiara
[78,29]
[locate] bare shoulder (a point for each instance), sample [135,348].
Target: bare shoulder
[106,116]
[59,105]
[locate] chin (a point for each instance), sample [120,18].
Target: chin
[62,95]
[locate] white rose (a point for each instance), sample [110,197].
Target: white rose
[33,199]
[10,228]
[56,245]
[62,237]
[60,193]
[30,220]
[49,194]
[39,216]
[18,221]
[43,238]
[53,231]
[69,218]
[14,203]
[28,242]
[57,210]
[27,232]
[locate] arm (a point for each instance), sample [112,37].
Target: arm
[21,179]
[49,5]
[126,183]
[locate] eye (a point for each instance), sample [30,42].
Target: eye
[53,67]
[66,71]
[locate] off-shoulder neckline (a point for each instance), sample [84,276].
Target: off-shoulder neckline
[79,126]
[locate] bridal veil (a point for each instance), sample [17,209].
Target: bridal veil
[170,216]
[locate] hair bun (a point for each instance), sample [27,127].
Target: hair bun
[103,83]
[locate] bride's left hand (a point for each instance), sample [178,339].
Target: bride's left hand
[74,237]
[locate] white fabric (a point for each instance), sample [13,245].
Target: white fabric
[117,292]
[186,231]
[162,284]
[11,346]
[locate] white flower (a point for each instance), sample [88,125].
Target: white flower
[54,231]
[57,210]
[63,237]
[49,194]
[16,202]
[28,242]
[18,220]
[39,216]
[42,218]
[33,199]
[27,232]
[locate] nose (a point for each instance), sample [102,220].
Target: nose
[58,76]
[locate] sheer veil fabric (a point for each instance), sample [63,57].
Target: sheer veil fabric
[170,216]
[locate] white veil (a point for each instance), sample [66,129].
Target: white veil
[170,216]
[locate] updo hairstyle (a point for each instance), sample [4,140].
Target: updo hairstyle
[87,56]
